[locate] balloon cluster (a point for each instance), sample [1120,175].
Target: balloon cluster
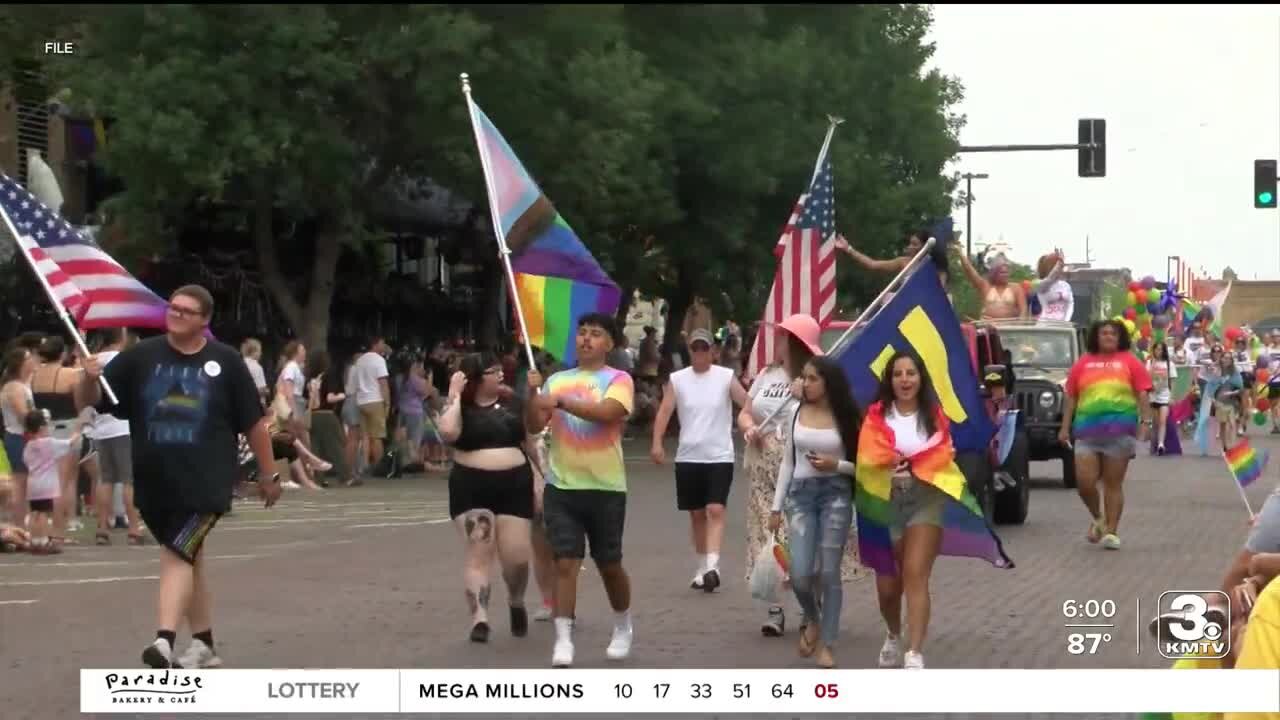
[1147,314]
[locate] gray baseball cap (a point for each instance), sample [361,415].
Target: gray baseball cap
[701,335]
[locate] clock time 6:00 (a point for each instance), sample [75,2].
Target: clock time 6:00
[1090,609]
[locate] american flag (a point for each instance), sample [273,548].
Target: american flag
[94,288]
[805,281]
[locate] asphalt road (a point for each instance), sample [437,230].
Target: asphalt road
[370,578]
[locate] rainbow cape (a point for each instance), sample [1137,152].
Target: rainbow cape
[1246,463]
[557,280]
[965,531]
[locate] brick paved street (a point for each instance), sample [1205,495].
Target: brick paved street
[370,578]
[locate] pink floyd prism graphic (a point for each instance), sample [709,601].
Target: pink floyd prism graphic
[176,399]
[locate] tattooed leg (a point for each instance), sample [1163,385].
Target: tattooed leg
[514,552]
[476,527]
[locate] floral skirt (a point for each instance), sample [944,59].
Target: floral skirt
[761,466]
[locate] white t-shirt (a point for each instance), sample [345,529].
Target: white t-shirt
[106,426]
[368,370]
[256,372]
[1162,376]
[293,374]
[909,434]
[1057,302]
[41,456]
[706,415]
[770,391]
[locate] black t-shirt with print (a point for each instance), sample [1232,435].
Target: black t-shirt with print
[184,413]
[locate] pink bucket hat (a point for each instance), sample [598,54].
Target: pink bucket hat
[805,329]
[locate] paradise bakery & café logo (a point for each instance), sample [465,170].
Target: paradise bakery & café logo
[153,688]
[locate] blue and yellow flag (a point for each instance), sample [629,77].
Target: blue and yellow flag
[919,317]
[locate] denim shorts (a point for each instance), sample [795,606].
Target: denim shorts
[915,503]
[13,447]
[1123,447]
[1265,535]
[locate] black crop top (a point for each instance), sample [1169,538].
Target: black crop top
[500,425]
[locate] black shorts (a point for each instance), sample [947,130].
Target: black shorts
[1274,391]
[501,492]
[283,449]
[40,506]
[182,531]
[575,518]
[701,484]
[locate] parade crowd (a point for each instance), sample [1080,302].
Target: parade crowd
[535,465]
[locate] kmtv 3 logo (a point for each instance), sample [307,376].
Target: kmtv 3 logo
[1195,625]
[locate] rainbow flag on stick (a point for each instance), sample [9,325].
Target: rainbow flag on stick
[965,531]
[1245,462]
[556,279]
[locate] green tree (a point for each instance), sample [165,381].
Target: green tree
[289,113]
[748,93]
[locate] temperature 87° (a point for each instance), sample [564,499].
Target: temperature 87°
[1086,643]
[1090,609]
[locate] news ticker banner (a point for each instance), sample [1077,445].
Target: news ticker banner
[677,691]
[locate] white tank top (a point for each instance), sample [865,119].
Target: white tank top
[13,423]
[706,415]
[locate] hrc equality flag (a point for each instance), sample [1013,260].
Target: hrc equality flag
[1245,462]
[965,532]
[919,317]
[557,280]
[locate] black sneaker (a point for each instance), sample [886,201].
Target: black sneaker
[776,625]
[519,622]
[159,655]
[480,632]
[710,580]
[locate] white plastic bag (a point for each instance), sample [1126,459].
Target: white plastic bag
[767,576]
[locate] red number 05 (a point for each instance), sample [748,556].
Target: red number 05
[830,690]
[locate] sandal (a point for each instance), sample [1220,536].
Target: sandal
[808,645]
[137,540]
[102,537]
[1096,531]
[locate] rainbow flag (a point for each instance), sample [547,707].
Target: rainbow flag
[557,280]
[1246,463]
[965,532]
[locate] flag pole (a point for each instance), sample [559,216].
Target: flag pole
[1239,488]
[897,282]
[503,250]
[874,306]
[62,311]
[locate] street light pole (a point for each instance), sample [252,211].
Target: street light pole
[968,208]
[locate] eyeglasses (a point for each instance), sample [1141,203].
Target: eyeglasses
[184,312]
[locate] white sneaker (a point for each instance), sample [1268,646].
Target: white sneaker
[562,654]
[913,661]
[542,614]
[290,485]
[198,656]
[891,652]
[696,582]
[620,645]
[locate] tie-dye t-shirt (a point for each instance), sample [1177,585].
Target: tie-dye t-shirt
[587,455]
[1106,390]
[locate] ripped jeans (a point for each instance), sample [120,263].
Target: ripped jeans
[819,514]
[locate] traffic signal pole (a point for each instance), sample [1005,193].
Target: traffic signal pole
[1024,148]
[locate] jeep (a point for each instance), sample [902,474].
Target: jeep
[1041,354]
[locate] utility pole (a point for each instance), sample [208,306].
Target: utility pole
[968,208]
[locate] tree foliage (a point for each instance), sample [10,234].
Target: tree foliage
[674,138]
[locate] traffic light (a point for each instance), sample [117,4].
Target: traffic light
[1264,183]
[1093,161]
